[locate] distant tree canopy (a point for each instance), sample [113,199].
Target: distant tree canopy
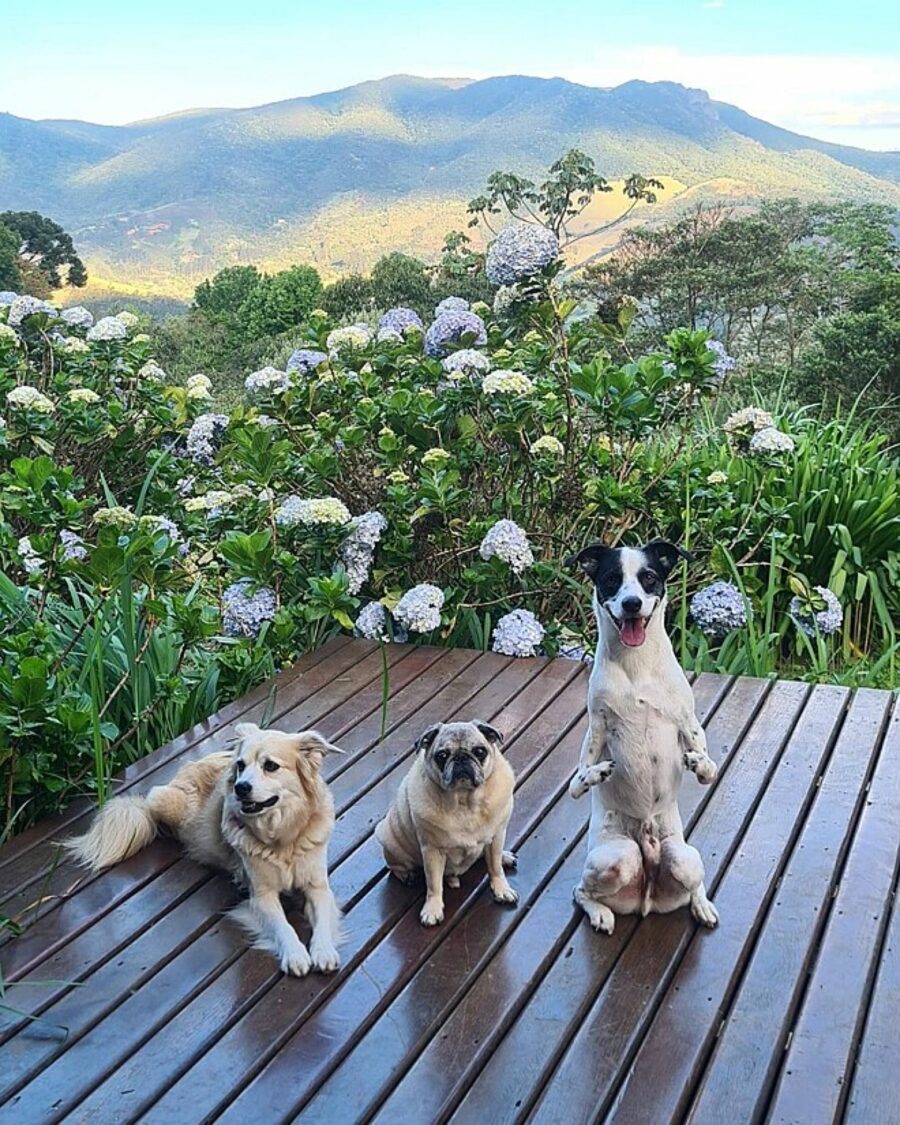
[281,301]
[44,250]
[220,298]
[10,274]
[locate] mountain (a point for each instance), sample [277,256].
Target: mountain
[339,178]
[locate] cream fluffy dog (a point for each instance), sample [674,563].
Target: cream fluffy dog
[452,807]
[263,813]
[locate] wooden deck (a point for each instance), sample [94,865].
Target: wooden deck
[151,1006]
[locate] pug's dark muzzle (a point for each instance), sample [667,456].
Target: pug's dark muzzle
[464,770]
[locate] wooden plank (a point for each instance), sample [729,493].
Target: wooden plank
[443,1069]
[739,1077]
[51,827]
[257,1037]
[816,1068]
[659,1082]
[524,1058]
[66,1085]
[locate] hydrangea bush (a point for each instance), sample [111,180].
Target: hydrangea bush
[160,553]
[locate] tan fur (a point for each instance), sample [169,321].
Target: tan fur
[445,827]
[274,851]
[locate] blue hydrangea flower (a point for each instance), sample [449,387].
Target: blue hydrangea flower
[77,316]
[6,298]
[358,549]
[520,251]
[465,362]
[246,608]
[304,360]
[723,363]
[449,328]
[518,633]
[205,436]
[451,304]
[74,549]
[400,320]
[419,610]
[810,620]
[718,609]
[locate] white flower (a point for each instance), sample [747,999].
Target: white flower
[30,398]
[812,620]
[269,380]
[108,328]
[749,420]
[7,296]
[355,337]
[82,394]
[717,477]
[372,623]
[504,381]
[77,316]
[25,306]
[31,560]
[74,345]
[121,518]
[205,436]
[358,550]
[770,440]
[548,445]
[7,333]
[719,608]
[465,363]
[128,319]
[509,543]
[322,510]
[151,370]
[212,502]
[419,610]
[505,297]
[436,456]
[519,633]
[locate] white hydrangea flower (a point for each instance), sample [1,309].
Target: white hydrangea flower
[198,387]
[505,297]
[107,328]
[548,445]
[464,364]
[419,610]
[152,370]
[7,333]
[717,477]
[128,319]
[83,394]
[268,380]
[505,381]
[509,543]
[32,562]
[117,516]
[212,502]
[354,337]
[518,633]
[25,306]
[372,623]
[719,609]
[358,549]
[321,510]
[77,316]
[811,620]
[436,456]
[749,420]
[74,345]
[770,441]
[30,398]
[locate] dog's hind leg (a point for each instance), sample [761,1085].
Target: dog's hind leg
[612,867]
[681,865]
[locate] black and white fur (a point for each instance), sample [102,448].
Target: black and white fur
[642,734]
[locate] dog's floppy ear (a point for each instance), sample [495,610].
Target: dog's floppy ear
[314,746]
[426,738]
[665,555]
[589,558]
[244,730]
[494,736]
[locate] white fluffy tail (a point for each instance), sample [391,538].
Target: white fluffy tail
[120,829]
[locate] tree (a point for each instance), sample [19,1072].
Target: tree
[280,302]
[45,247]
[398,279]
[348,296]
[10,274]
[220,299]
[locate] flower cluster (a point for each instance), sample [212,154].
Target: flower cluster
[73,546]
[212,502]
[504,381]
[199,387]
[723,363]
[24,306]
[83,394]
[32,562]
[770,440]
[419,610]
[719,608]
[304,360]
[108,328]
[74,345]
[372,623]
[152,371]
[7,333]
[122,519]
[548,446]
[811,619]
[324,510]
[30,398]
[128,319]
[518,633]
[267,381]
[400,321]
[519,252]
[747,421]
[509,543]
[504,299]
[358,550]
[451,304]
[465,363]
[717,477]
[205,436]
[246,608]
[437,455]
[355,337]
[77,316]
[7,296]
[451,328]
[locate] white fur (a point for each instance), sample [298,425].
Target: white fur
[642,734]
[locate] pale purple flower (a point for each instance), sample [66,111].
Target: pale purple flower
[246,607]
[719,608]
[518,633]
[449,329]
[811,620]
[520,251]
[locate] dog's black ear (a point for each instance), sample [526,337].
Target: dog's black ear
[589,558]
[426,738]
[665,555]
[494,736]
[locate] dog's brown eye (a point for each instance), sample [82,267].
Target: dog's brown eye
[239,766]
[270,767]
[441,757]
[480,753]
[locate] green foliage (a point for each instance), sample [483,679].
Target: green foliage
[10,275]
[398,279]
[46,246]
[221,298]
[347,297]
[280,302]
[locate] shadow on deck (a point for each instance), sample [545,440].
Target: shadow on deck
[151,1006]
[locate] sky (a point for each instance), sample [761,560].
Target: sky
[829,69]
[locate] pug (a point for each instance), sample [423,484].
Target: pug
[452,807]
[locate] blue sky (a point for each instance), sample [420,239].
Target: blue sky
[828,69]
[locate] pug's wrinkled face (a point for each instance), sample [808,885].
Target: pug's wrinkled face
[273,768]
[459,755]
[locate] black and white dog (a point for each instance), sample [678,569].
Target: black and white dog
[642,734]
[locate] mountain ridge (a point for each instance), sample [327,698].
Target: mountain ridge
[330,177]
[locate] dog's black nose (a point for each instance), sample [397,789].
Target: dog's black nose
[242,788]
[631,606]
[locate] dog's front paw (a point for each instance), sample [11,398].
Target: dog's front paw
[324,956]
[295,960]
[702,765]
[432,913]
[510,861]
[585,777]
[504,893]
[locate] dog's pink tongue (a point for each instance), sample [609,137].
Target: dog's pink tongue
[633,631]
